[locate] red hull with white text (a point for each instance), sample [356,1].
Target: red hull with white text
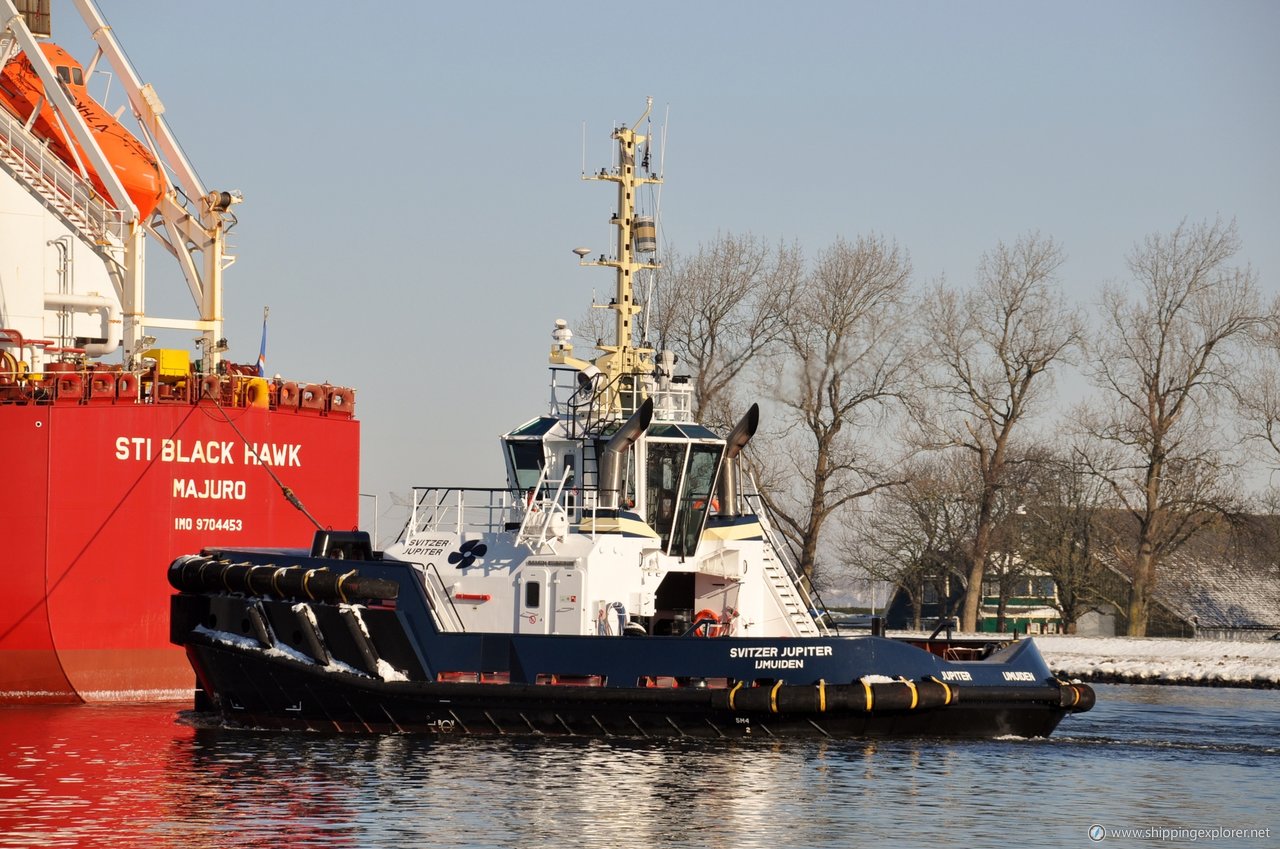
[120,451]
[101,496]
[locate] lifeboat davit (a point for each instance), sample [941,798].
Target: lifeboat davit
[22,92]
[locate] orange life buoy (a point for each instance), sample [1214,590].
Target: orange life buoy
[707,623]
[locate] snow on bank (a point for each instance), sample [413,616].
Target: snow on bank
[1163,661]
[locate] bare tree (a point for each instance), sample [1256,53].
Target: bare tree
[1163,359]
[1257,395]
[721,308]
[1061,516]
[845,358]
[993,349]
[1007,565]
[916,534]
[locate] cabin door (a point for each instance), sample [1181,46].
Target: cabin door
[531,605]
[568,602]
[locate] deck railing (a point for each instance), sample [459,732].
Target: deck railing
[538,516]
[73,196]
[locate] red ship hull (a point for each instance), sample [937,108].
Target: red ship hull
[100,498]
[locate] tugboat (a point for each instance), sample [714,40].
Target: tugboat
[626,581]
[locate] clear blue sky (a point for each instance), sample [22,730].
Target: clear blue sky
[411,169]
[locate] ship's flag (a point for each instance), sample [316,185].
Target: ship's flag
[262,351]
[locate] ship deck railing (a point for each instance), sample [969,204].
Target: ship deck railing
[538,516]
[588,406]
[461,510]
[802,582]
[84,382]
[74,196]
[440,600]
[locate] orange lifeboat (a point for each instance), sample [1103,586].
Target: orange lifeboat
[22,92]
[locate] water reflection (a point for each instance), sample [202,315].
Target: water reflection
[130,776]
[254,791]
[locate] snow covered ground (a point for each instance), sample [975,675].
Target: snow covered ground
[1164,661]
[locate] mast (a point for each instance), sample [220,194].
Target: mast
[624,365]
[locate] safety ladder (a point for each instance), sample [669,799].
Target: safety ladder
[590,478]
[441,603]
[784,578]
[790,600]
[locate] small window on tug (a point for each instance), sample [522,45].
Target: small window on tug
[532,594]
[527,460]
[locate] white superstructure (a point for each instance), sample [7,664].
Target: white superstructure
[621,512]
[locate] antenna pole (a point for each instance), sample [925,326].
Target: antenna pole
[623,358]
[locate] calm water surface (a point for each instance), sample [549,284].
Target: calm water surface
[1146,757]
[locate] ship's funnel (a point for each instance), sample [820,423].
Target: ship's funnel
[613,451]
[727,486]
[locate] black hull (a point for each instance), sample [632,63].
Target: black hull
[266,657]
[256,690]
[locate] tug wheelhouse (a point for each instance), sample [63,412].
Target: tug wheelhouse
[681,464]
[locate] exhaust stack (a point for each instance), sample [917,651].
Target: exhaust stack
[727,486]
[611,456]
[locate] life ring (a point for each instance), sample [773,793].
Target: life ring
[706,623]
[701,502]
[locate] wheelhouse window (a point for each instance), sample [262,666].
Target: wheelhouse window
[680,477]
[527,461]
[526,454]
[665,470]
[696,497]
